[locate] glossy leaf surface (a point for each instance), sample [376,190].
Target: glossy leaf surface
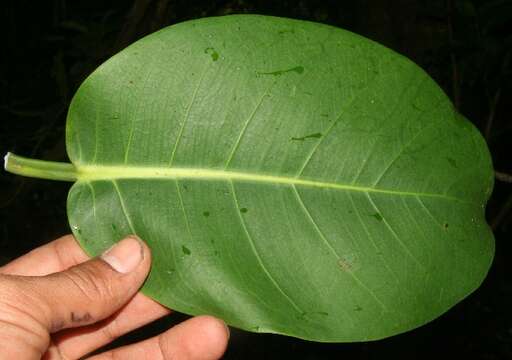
[290,177]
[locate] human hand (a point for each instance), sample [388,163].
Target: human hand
[56,303]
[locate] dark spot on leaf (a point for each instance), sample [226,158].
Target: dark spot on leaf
[344,264]
[301,316]
[445,226]
[348,262]
[377,216]
[243,210]
[324,115]
[185,250]
[311,136]
[214,54]
[131,82]
[358,308]
[296,69]
[284,31]
[305,314]
[206,213]
[452,162]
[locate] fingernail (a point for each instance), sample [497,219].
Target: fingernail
[124,256]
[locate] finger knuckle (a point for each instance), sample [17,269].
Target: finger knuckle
[90,283]
[111,332]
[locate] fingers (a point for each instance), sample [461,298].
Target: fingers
[85,293]
[75,343]
[201,338]
[55,256]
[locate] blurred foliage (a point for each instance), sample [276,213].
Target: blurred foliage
[466,45]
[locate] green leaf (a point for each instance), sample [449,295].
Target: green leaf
[289,177]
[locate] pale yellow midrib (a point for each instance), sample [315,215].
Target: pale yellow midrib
[95,173]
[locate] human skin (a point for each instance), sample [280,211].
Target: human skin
[57,303]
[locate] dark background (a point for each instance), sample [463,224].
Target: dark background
[50,46]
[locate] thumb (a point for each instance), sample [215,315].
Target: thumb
[88,292]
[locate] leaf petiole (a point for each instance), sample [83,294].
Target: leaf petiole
[39,168]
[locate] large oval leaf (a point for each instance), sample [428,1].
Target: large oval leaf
[290,177]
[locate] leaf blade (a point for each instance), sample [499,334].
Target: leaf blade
[322,238]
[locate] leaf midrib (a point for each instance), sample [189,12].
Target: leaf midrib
[105,172]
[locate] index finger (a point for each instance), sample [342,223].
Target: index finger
[55,256]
